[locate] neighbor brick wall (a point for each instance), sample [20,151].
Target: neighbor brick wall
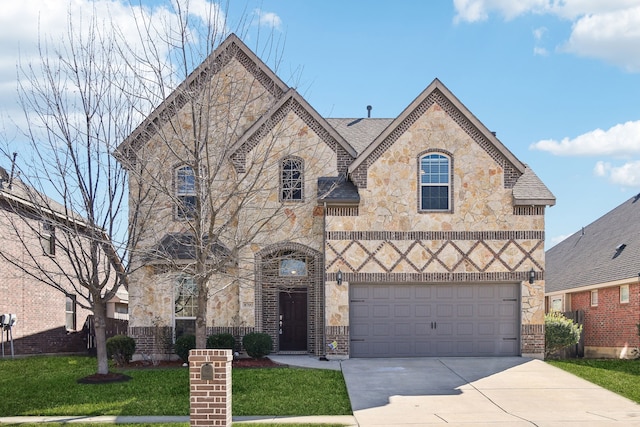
[610,323]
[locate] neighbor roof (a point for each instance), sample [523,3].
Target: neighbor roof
[594,254]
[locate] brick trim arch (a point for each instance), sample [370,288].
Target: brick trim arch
[268,284]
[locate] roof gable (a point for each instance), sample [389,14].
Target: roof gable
[293,102]
[437,93]
[231,47]
[594,254]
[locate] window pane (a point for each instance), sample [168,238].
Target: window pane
[292,179]
[435,198]
[293,267]
[187,206]
[186,301]
[624,293]
[185,181]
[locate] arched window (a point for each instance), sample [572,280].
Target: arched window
[185,192]
[291,181]
[435,182]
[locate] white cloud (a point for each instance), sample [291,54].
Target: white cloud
[605,30]
[268,19]
[479,10]
[620,140]
[627,175]
[23,23]
[613,37]
[538,35]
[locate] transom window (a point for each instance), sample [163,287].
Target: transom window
[435,186]
[185,192]
[293,266]
[291,182]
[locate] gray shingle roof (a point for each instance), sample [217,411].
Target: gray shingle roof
[337,190]
[589,257]
[359,133]
[529,190]
[181,246]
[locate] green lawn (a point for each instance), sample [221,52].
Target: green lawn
[48,386]
[619,376]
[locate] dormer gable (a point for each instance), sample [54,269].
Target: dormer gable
[291,101]
[437,93]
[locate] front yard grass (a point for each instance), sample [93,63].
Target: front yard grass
[619,376]
[48,385]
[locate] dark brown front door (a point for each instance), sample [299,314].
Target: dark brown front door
[293,320]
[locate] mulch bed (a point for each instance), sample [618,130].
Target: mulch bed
[111,377]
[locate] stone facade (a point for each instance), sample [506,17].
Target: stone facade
[374,232]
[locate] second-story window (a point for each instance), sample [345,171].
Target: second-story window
[48,238]
[434,182]
[291,182]
[185,192]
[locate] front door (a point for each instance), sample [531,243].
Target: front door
[293,321]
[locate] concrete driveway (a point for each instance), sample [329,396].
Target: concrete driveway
[450,392]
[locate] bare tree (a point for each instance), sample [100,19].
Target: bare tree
[214,155]
[76,111]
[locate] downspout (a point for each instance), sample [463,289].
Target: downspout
[324,282]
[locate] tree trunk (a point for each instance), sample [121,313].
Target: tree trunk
[100,330]
[201,317]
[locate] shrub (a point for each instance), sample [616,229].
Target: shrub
[221,341]
[183,344]
[121,348]
[559,332]
[257,344]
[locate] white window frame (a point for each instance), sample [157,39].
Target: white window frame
[48,238]
[431,175]
[71,313]
[292,179]
[624,294]
[183,282]
[594,298]
[185,191]
[554,300]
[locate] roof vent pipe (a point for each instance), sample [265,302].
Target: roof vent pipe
[369,107]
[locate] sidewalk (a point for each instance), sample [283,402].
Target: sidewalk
[346,420]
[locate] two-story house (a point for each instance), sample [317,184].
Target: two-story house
[47,304]
[419,235]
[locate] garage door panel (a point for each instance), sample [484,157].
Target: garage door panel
[465,310]
[422,310]
[380,311]
[402,310]
[399,320]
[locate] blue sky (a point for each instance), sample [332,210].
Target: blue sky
[558,80]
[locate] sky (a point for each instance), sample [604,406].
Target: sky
[557,80]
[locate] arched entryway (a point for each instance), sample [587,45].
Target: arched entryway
[290,298]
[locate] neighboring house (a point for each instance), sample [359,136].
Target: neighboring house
[597,270]
[419,235]
[47,320]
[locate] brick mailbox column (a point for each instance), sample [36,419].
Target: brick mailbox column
[210,387]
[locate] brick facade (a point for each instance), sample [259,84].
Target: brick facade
[610,327]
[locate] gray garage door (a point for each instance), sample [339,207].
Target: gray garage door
[407,320]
